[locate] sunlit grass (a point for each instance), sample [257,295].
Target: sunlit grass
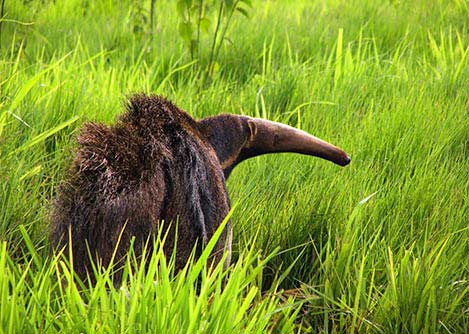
[380,246]
[42,294]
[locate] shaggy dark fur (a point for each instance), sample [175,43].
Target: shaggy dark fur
[154,165]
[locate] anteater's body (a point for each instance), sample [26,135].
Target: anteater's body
[158,167]
[153,167]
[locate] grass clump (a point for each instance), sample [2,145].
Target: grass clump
[42,294]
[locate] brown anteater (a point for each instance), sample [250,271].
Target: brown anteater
[158,164]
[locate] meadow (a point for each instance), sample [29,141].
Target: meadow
[380,246]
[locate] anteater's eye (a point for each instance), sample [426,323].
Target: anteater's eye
[276,139]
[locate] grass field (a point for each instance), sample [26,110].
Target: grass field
[381,246]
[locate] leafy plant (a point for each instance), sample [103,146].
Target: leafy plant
[197,18]
[139,17]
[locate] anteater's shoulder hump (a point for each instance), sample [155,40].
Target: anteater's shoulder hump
[151,129]
[153,112]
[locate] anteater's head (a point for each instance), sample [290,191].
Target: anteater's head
[237,138]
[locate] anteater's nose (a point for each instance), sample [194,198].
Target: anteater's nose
[347,160]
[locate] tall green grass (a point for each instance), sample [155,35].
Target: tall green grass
[380,246]
[43,295]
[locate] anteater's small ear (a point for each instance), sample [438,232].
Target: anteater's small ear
[252,129]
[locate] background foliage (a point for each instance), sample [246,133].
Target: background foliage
[380,246]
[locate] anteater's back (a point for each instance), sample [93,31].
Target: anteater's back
[152,166]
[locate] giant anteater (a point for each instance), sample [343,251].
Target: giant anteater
[157,164]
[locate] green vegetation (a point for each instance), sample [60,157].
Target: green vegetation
[381,246]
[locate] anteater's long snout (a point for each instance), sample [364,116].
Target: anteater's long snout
[272,137]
